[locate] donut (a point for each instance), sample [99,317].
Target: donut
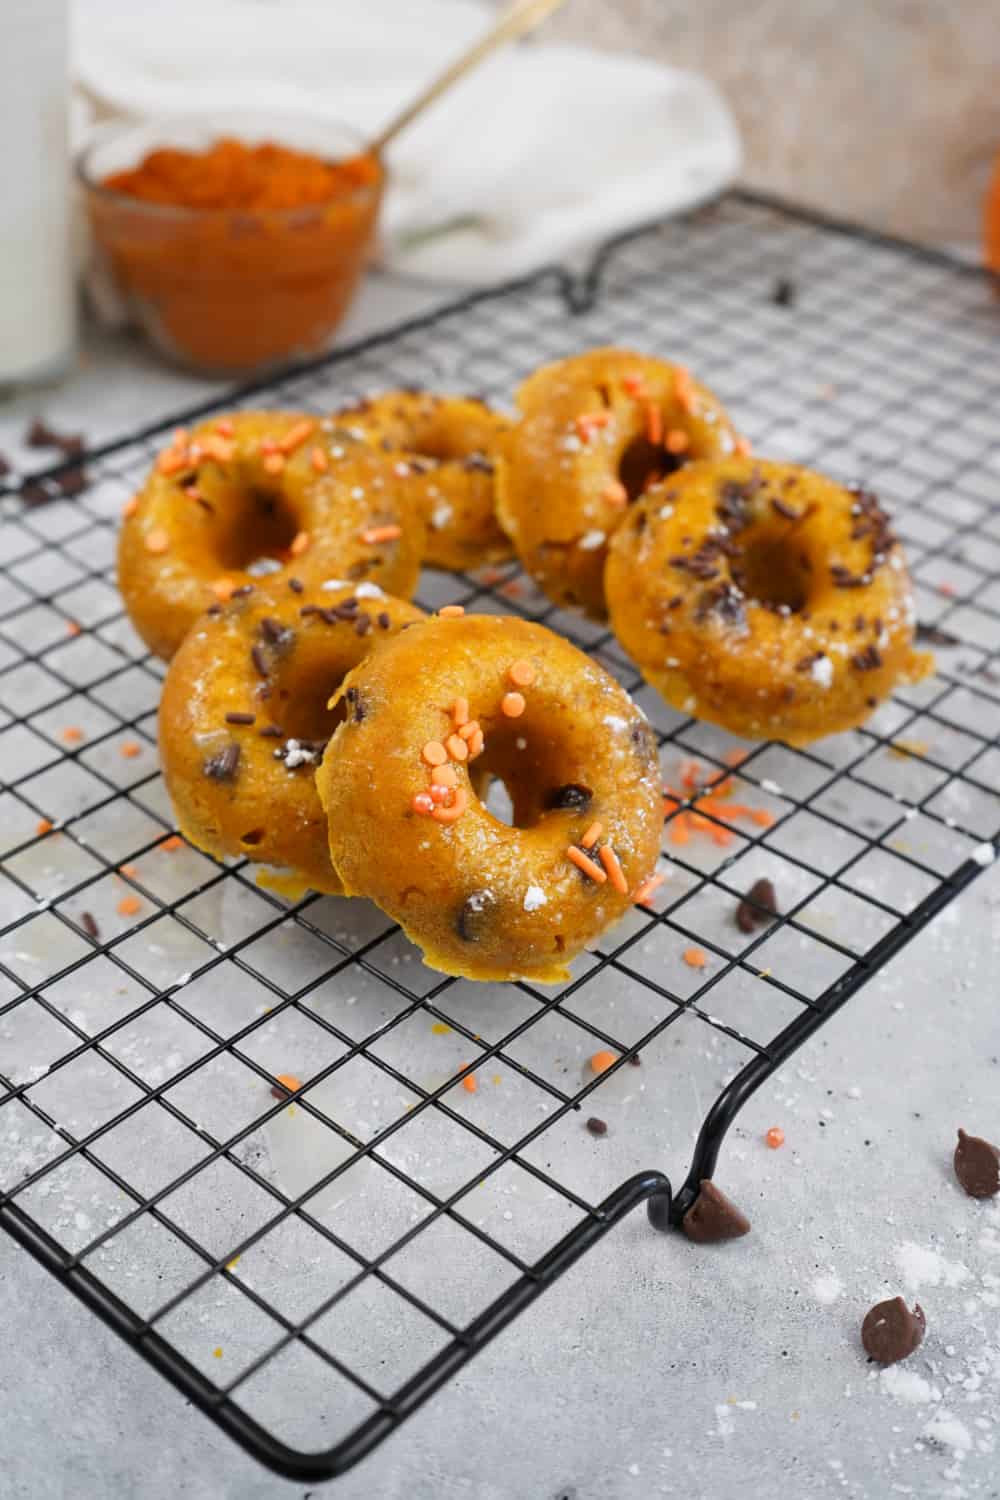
[483,898]
[449,445]
[595,430]
[764,597]
[254,494]
[244,719]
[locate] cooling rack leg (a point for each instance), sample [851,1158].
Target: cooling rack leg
[659,1210]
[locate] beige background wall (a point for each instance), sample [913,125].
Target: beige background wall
[884,110]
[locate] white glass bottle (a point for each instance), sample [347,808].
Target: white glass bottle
[37,301]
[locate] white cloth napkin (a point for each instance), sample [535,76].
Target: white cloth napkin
[541,153]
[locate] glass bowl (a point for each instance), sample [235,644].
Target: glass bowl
[223,291]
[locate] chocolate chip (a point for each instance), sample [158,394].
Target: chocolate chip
[243,592]
[40,435]
[891,1332]
[784,292]
[713,1218]
[787,511]
[932,635]
[573,795]
[635,1061]
[597,1126]
[259,658]
[758,907]
[71,482]
[362,625]
[89,925]
[36,492]
[868,660]
[255,836]
[241,718]
[384,620]
[358,706]
[296,585]
[977,1166]
[474,914]
[224,765]
[274,632]
[478,463]
[5,466]
[272,732]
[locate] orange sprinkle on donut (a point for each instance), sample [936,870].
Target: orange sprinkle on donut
[130,507]
[434,753]
[319,460]
[460,712]
[445,775]
[457,748]
[615,493]
[299,544]
[602,1061]
[470,730]
[633,385]
[615,873]
[654,423]
[646,888]
[297,434]
[477,744]
[512,705]
[372,535]
[157,541]
[451,611]
[677,440]
[592,835]
[223,588]
[742,447]
[274,463]
[171,461]
[225,427]
[588,423]
[423,803]
[683,393]
[521,673]
[586,864]
[454,812]
[218,448]
[441,796]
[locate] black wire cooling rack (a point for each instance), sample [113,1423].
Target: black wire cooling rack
[308,1269]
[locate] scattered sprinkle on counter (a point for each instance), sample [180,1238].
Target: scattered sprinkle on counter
[44,825]
[602,1061]
[128,906]
[775,1137]
[286,1083]
[695,958]
[171,842]
[72,734]
[129,749]
[469,1083]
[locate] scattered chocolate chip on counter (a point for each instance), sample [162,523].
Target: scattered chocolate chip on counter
[596,1126]
[784,292]
[758,907]
[713,1218]
[977,1166]
[891,1332]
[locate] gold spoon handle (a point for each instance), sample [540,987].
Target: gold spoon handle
[520,18]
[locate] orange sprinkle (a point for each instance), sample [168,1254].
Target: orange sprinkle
[735,757]
[130,507]
[171,842]
[319,460]
[677,441]
[589,421]
[646,888]
[179,436]
[434,753]
[513,588]
[129,870]
[690,774]
[288,1081]
[454,812]
[441,796]
[128,906]
[72,735]
[679,831]
[451,612]
[445,776]
[423,803]
[217,448]
[457,748]
[602,1061]
[225,427]
[372,535]
[742,447]
[299,544]
[683,392]
[44,825]
[612,865]
[223,588]
[297,434]
[460,712]
[721,836]
[469,731]
[476,744]
[775,1137]
[615,493]
[192,491]
[157,541]
[469,1083]
[586,864]
[521,673]
[762,817]
[512,705]
[274,463]
[654,423]
[592,835]
[130,749]
[633,385]
[171,460]
[694,958]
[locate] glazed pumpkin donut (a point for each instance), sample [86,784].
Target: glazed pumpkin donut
[483,898]
[449,445]
[596,430]
[244,719]
[259,493]
[765,598]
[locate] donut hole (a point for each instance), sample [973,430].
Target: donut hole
[301,688]
[773,571]
[255,524]
[512,775]
[643,462]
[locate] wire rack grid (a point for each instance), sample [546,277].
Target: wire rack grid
[308,1268]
